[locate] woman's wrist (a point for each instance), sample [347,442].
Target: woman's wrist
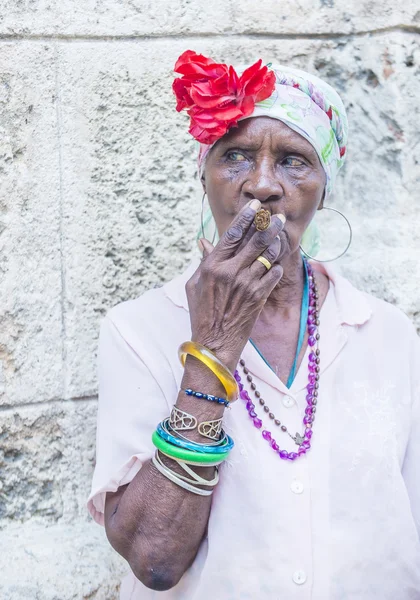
[213,363]
[229,357]
[199,377]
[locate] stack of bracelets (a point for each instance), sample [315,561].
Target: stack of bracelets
[169,438]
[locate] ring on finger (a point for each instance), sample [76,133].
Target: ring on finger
[265,262]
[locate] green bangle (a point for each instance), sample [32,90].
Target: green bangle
[189,455]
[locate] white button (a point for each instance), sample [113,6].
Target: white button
[299,577]
[296,486]
[288,401]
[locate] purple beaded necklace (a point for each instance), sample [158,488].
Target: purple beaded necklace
[302,441]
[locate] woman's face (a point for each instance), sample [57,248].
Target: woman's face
[264,159]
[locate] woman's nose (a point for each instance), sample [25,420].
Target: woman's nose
[263,183]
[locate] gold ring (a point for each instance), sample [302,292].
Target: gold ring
[265,262]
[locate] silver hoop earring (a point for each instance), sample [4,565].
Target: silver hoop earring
[202,224]
[346,248]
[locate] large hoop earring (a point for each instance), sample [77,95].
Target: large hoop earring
[202,223]
[346,248]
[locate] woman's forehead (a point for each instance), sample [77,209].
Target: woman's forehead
[255,131]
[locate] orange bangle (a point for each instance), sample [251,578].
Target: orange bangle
[211,361]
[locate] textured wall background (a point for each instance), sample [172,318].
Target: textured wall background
[99,201]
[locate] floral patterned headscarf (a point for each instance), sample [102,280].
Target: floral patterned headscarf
[310,107]
[217,96]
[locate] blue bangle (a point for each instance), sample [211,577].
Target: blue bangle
[203,448]
[210,397]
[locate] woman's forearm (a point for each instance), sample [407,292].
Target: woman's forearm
[153,523]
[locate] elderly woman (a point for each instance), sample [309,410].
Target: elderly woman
[259,418]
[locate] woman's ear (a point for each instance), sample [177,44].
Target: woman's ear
[203,182]
[321,204]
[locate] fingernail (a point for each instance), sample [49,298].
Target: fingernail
[278,238]
[281,217]
[200,245]
[255,204]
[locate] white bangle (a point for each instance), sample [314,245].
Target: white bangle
[195,477]
[192,463]
[175,479]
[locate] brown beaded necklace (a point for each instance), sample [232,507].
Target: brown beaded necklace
[302,441]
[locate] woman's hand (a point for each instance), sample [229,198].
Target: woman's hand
[230,287]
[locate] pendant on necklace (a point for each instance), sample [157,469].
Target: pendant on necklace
[299,439]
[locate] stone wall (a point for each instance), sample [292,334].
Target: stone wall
[99,201]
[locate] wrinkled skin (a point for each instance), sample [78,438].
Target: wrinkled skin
[263,159]
[156,525]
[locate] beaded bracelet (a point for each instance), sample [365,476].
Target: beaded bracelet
[211,361]
[226,445]
[197,458]
[209,397]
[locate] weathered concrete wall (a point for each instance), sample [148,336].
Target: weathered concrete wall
[99,201]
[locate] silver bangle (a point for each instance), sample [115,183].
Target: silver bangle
[166,426]
[195,477]
[175,479]
[192,463]
[211,429]
[181,420]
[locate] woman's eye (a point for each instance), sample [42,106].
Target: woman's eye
[293,162]
[235,156]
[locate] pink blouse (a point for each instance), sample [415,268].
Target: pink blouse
[342,522]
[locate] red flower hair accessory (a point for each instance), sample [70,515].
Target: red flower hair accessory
[215,96]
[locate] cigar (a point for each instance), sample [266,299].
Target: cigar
[262,219]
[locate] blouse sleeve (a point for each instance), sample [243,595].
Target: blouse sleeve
[411,465]
[131,403]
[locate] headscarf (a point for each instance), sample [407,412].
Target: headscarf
[312,108]
[217,94]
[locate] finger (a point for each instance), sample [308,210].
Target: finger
[257,268]
[233,236]
[260,241]
[262,288]
[271,278]
[247,237]
[205,246]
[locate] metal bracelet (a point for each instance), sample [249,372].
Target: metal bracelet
[182,461]
[181,420]
[211,429]
[194,478]
[221,441]
[163,432]
[175,479]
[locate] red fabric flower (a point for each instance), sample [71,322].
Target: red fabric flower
[215,96]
